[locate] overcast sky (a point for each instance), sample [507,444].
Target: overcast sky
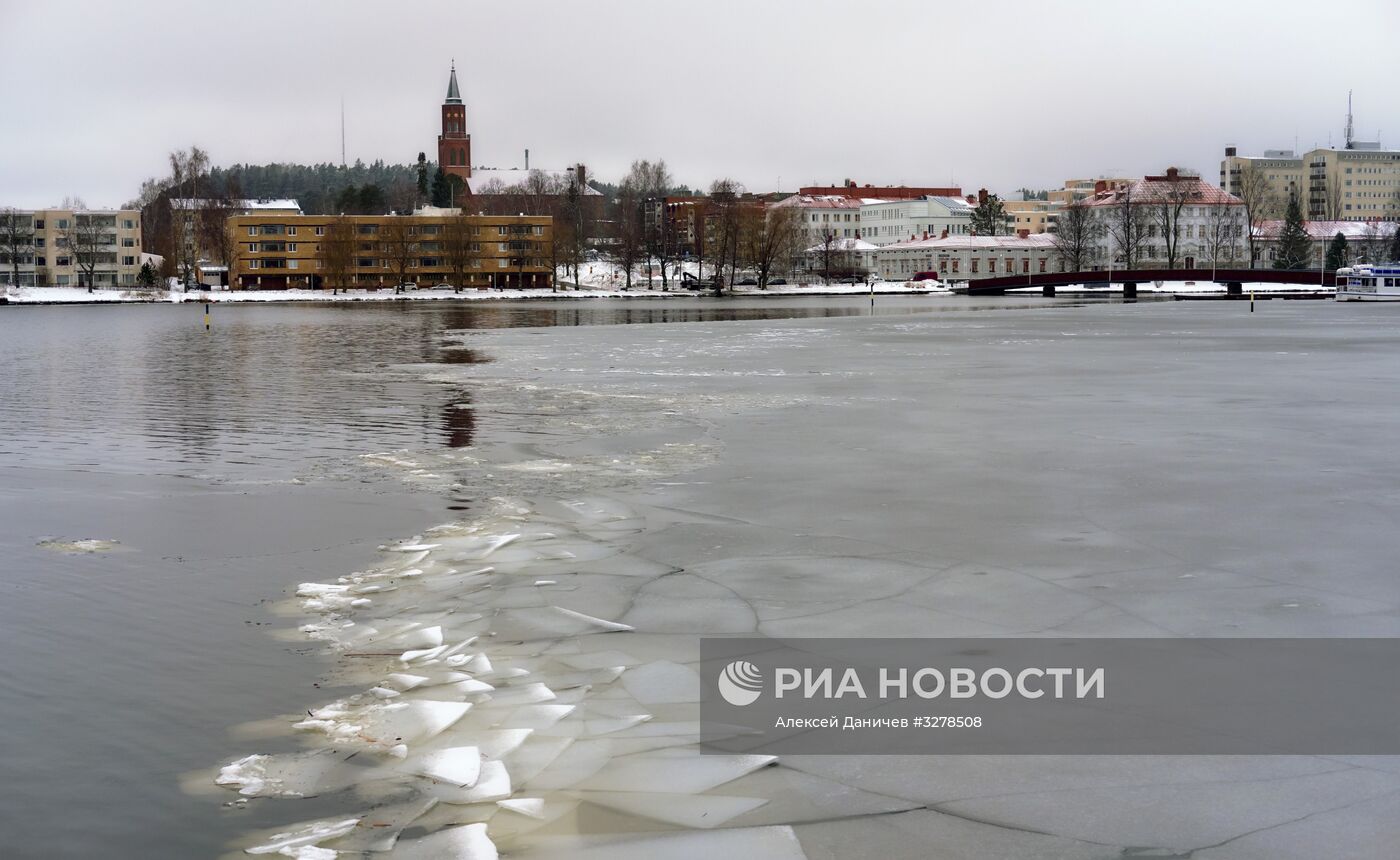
[773,93]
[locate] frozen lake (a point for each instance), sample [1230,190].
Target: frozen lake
[568,506]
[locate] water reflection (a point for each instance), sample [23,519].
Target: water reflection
[271,388]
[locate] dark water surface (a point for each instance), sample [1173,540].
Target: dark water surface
[225,463]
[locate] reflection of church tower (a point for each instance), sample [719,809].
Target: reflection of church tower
[454,144]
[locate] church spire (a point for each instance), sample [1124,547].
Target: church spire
[454,97]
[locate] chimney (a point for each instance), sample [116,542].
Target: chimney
[1172,173]
[925,235]
[581,175]
[1100,186]
[1229,152]
[945,233]
[981,196]
[1022,232]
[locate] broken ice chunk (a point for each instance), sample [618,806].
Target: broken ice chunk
[304,835]
[460,766]
[468,842]
[685,772]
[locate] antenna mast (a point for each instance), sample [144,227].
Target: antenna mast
[342,131]
[1349,126]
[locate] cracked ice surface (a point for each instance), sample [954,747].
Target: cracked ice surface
[527,675]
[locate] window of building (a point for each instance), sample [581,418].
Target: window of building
[291,246]
[320,231]
[252,231]
[128,261]
[39,224]
[974,266]
[63,223]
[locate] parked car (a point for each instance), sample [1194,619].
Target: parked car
[777,282]
[851,280]
[747,282]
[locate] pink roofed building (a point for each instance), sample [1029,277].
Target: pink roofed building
[1174,220]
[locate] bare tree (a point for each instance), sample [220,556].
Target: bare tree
[187,169]
[16,240]
[399,242]
[1127,227]
[1077,232]
[767,238]
[461,249]
[1325,199]
[1257,195]
[831,249]
[1371,247]
[652,182]
[627,247]
[724,224]
[338,253]
[92,241]
[215,238]
[1224,228]
[1171,197]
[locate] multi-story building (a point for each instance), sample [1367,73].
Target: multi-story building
[969,257]
[1200,221]
[68,247]
[884,222]
[1030,216]
[292,251]
[1367,241]
[823,215]
[1359,182]
[1076,190]
[880,192]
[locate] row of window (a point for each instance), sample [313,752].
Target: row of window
[413,230]
[64,261]
[385,263]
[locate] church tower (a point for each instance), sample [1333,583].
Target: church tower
[454,144]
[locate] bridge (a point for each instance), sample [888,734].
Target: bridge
[1232,279]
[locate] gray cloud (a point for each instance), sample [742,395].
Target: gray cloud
[1000,95]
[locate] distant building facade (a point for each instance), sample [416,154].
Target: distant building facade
[969,257]
[885,222]
[1210,223]
[825,215]
[290,251]
[60,247]
[1366,241]
[1359,183]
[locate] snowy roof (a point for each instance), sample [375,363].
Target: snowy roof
[249,205]
[489,180]
[973,242]
[845,245]
[1320,230]
[1159,189]
[826,201]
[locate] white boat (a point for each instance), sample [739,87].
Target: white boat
[1369,284]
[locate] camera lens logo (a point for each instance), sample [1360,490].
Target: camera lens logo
[740,683]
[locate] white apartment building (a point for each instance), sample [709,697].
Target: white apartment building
[886,222]
[828,214]
[1210,225]
[57,247]
[969,257]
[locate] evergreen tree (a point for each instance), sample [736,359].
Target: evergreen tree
[1395,245]
[372,200]
[442,189]
[423,177]
[1294,250]
[1337,253]
[148,275]
[989,218]
[347,202]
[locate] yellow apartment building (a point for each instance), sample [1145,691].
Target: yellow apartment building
[426,249]
[69,248]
